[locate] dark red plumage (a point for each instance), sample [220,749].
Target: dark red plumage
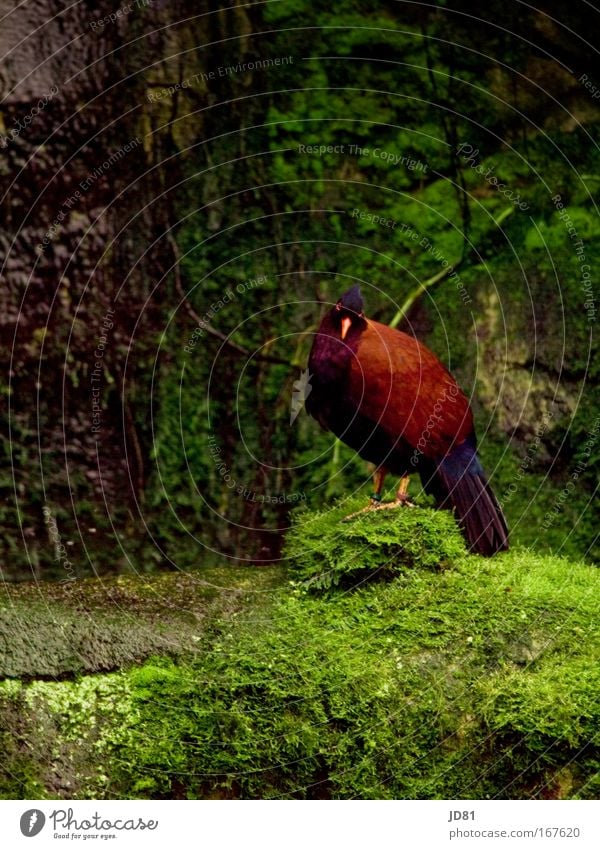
[390,399]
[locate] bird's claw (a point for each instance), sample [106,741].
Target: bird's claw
[372,505]
[399,502]
[375,504]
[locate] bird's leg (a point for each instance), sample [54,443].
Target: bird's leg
[375,503]
[402,496]
[379,476]
[402,499]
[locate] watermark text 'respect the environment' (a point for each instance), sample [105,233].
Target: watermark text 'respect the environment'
[423,241]
[84,185]
[222,72]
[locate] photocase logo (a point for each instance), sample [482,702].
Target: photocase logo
[32,822]
[302,390]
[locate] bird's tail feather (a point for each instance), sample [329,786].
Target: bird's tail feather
[462,486]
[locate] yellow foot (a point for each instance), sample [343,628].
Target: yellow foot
[372,505]
[400,501]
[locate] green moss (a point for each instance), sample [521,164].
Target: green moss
[326,548]
[461,683]
[61,733]
[473,681]
[61,630]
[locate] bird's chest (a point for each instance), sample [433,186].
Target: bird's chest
[329,373]
[329,365]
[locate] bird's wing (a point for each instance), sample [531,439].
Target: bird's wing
[401,385]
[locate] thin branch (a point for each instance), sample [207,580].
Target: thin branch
[504,215]
[449,127]
[441,275]
[420,289]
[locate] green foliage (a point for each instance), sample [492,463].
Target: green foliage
[392,92]
[513,329]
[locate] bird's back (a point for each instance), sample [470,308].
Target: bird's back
[401,385]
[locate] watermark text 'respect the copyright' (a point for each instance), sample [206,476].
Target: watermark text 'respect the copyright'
[409,162]
[245,492]
[589,302]
[566,493]
[528,460]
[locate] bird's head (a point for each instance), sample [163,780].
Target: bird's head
[348,312]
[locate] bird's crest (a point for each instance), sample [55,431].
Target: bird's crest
[352,300]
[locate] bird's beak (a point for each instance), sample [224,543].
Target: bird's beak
[346,323]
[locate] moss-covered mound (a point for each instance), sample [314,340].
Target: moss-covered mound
[477,680]
[349,544]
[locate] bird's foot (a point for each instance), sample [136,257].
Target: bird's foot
[374,504]
[403,500]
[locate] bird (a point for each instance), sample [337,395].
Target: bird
[387,396]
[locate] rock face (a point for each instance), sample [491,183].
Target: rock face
[86,203]
[469,678]
[69,160]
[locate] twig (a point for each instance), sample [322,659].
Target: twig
[418,291]
[441,275]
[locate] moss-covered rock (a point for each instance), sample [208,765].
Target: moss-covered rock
[52,630]
[476,680]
